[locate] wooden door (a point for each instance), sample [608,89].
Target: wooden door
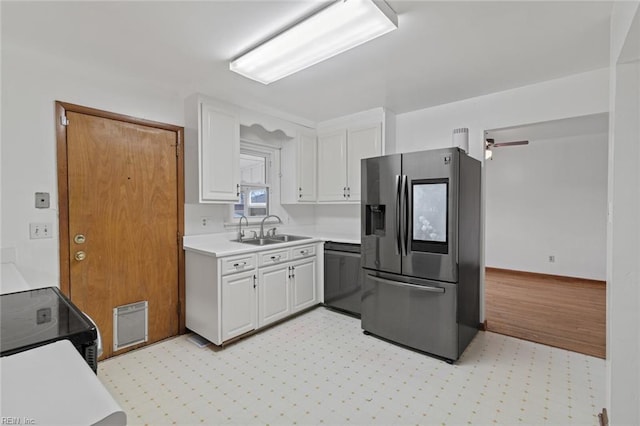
[123,215]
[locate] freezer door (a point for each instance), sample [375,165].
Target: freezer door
[430,214]
[380,213]
[420,314]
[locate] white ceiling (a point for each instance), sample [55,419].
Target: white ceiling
[442,51]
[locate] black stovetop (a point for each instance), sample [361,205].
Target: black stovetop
[37,317]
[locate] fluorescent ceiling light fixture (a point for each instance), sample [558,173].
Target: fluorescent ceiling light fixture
[341,26]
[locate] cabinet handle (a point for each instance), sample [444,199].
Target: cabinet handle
[289,273]
[237,190]
[348,192]
[304,251]
[254,281]
[344,192]
[239,264]
[276,258]
[293,272]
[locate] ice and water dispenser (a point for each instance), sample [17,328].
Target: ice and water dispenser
[375,219]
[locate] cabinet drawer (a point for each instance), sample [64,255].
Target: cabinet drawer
[238,264]
[273,257]
[303,251]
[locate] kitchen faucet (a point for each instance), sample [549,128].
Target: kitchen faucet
[240,232]
[262,223]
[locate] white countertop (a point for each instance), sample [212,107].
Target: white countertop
[53,385]
[220,245]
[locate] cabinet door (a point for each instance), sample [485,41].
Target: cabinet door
[238,304]
[273,294]
[363,142]
[303,283]
[219,155]
[307,167]
[332,160]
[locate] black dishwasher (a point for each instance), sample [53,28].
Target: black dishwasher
[343,277]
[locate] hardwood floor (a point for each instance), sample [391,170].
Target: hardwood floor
[564,312]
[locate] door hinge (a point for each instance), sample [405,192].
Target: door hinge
[177,150]
[64,121]
[179,239]
[178,310]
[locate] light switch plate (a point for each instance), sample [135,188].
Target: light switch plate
[40,230]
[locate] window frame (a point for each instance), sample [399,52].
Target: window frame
[269,154]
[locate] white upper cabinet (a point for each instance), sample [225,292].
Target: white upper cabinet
[212,151]
[298,169]
[342,143]
[219,155]
[362,142]
[332,166]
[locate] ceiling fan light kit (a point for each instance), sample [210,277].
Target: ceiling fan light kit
[337,28]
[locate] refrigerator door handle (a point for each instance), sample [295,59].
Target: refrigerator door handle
[401,284]
[405,216]
[398,215]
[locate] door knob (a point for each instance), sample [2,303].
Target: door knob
[79,239]
[80,255]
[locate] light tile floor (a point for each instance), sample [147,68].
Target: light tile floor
[319,368]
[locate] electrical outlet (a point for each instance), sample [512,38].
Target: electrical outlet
[40,230]
[206,222]
[552,259]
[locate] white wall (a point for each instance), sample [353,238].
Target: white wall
[30,84]
[430,128]
[623,236]
[341,219]
[573,96]
[548,198]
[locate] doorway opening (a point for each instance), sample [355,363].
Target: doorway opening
[545,232]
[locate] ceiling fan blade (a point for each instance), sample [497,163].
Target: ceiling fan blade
[514,143]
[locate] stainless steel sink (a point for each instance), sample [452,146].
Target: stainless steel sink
[261,241]
[285,238]
[276,239]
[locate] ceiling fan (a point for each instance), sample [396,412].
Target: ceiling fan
[491,143]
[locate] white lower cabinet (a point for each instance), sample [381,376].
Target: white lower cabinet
[230,296]
[238,304]
[303,284]
[273,294]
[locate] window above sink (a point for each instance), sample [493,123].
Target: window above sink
[255,177]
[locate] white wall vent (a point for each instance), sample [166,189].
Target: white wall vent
[130,325]
[460,138]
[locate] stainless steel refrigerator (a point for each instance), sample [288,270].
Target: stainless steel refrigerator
[421,249]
